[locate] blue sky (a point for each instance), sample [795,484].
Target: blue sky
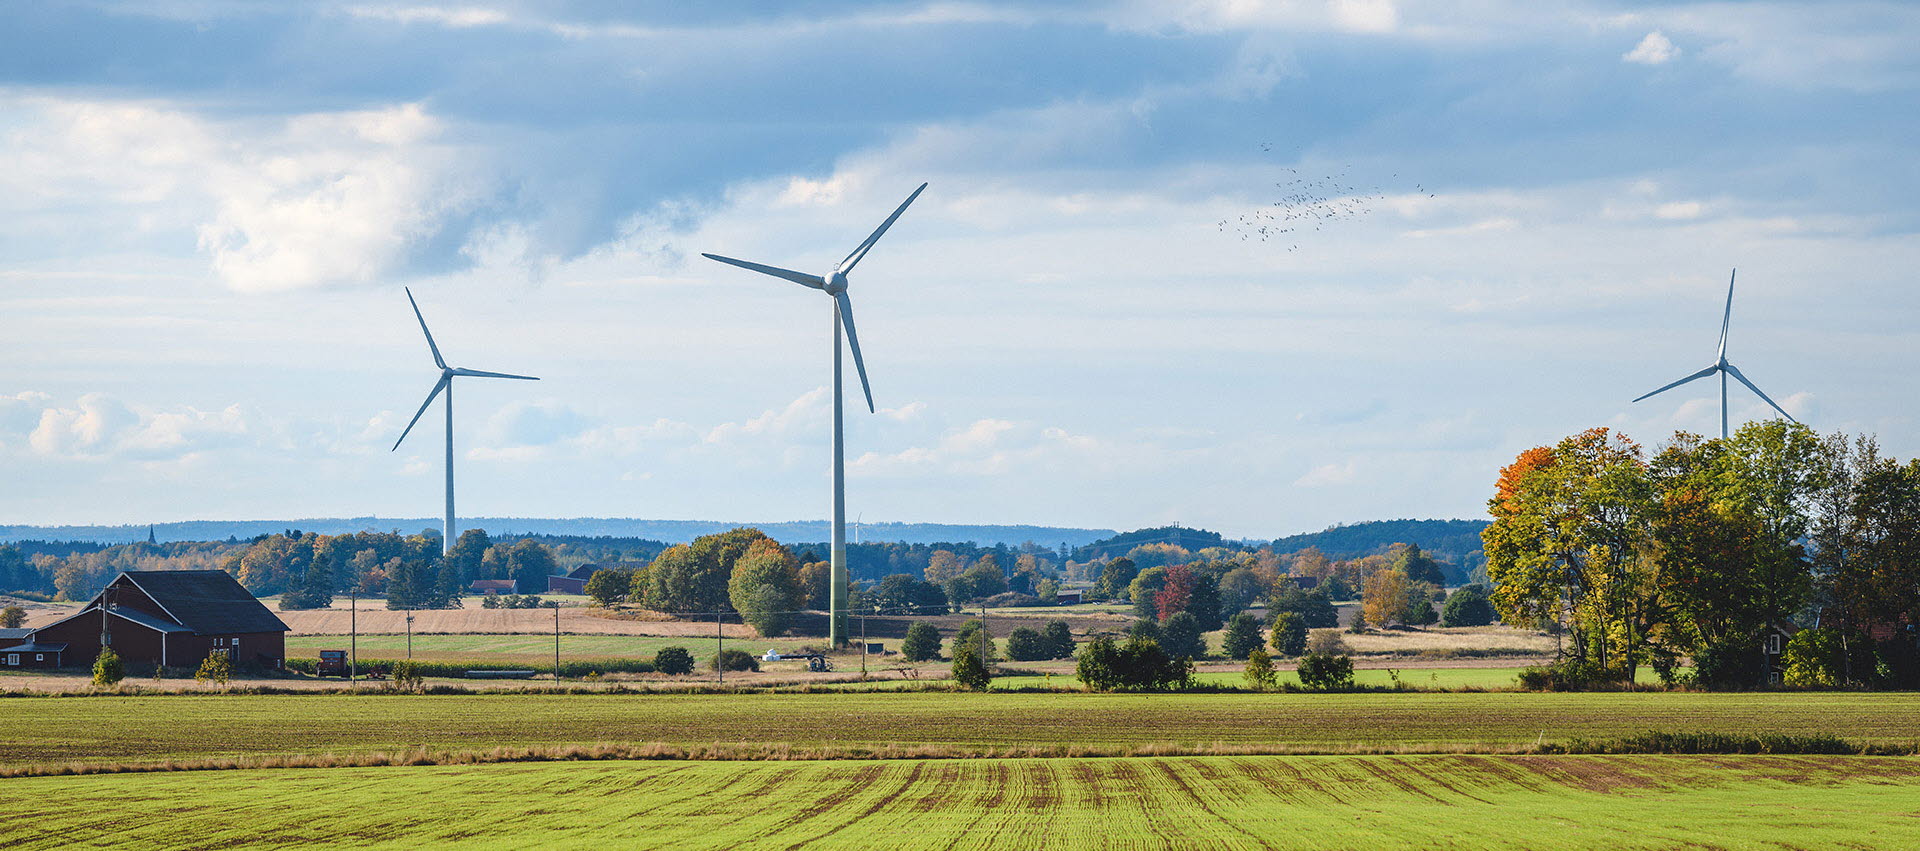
[210,209]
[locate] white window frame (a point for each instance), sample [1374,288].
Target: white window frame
[39,657]
[13,658]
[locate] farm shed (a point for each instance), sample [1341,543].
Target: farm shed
[492,586]
[18,650]
[169,617]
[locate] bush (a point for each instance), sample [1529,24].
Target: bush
[1736,663]
[1289,634]
[1567,675]
[1243,636]
[922,642]
[108,670]
[969,670]
[1026,645]
[1059,639]
[1467,606]
[673,660]
[735,660]
[1011,600]
[1144,628]
[1327,642]
[1181,637]
[1826,657]
[406,675]
[1260,674]
[1139,664]
[217,667]
[1326,673]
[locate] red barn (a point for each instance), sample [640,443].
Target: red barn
[174,618]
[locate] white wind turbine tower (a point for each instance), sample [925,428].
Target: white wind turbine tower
[835,284]
[447,374]
[1722,366]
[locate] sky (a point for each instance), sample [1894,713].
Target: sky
[209,209]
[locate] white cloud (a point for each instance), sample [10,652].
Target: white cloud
[452,17]
[311,200]
[1655,49]
[1325,475]
[1679,210]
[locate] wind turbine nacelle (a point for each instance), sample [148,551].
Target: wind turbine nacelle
[836,283]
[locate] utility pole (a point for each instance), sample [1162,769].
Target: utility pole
[719,646]
[409,633]
[556,641]
[863,644]
[353,630]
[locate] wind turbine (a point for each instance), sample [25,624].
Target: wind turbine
[447,374]
[1722,366]
[834,284]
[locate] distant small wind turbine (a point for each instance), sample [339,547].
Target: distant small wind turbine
[447,374]
[1722,366]
[835,284]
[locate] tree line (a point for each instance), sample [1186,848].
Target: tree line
[1712,549]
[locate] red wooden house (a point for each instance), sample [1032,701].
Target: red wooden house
[173,618]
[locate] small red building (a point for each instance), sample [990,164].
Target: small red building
[172,618]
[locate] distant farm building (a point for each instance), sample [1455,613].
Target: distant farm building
[492,586]
[576,582]
[173,618]
[20,651]
[1067,597]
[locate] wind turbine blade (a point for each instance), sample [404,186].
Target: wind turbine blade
[437,387]
[861,252]
[1735,372]
[801,278]
[853,342]
[479,374]
[423,329]
[1698,375]
[1727,318]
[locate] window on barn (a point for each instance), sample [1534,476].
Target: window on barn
[13,658]
[39,657]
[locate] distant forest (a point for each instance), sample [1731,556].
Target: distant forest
[671,531]
[1454,541]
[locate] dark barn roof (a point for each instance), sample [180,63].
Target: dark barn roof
[209,602]
[14,633]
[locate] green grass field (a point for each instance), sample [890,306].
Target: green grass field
[1188,803]
[43,730]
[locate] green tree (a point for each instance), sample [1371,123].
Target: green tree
[975,631]
[1116,577]
[1326,673]
[1203,601]
[108,670]
[1418,566]
[922,642]
[1181,637]
[1145,586]
[1243,636]
[1059,638]
[530,563]
[906,594]
[1239,587]
[1467,606]
[765,587]
[1260,673]
[607,586]
[1140,664]
[970,669]
[673,660]
[1024,644]
[1289,636]
[12,617]
[468,553]
[1313,605]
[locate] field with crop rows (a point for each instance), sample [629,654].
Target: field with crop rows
[90,729]
[1185,802]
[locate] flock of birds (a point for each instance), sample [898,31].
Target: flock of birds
[1307,204]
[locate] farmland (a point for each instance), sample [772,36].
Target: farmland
[521,649]
[120,729]
[1189,802]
